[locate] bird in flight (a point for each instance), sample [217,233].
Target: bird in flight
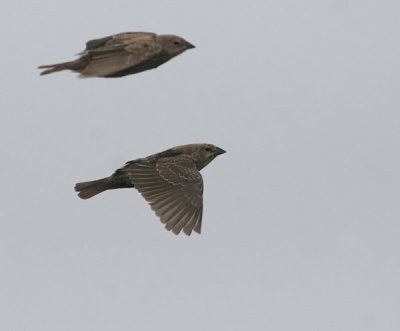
[123,54]
[170,182]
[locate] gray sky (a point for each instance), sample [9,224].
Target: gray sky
[301,220]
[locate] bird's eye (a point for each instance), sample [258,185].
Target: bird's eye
[209,149]
[177,43]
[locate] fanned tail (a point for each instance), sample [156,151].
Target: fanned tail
[89,189]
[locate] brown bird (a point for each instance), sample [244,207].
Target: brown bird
[123,54]
[170,182]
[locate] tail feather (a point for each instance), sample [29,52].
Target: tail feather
[89,189]
[75,65]
[52,68]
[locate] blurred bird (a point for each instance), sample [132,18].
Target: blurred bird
[123,54]
[170,182]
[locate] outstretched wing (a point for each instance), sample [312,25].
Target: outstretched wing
[110,55]
[174,189]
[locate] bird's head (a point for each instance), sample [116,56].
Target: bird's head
[174,45]
[202,154]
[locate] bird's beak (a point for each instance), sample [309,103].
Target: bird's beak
[219,151]
[189,45]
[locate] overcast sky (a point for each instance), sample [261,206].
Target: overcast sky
[301,220]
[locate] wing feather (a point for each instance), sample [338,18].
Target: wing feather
[174,189]
[184,220]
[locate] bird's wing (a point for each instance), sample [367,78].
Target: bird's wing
[118,54]
[118,40]
[174,189]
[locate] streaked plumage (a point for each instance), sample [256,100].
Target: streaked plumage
[170,182]
[123,54]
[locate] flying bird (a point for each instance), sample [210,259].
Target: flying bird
[123,54]
[170,182]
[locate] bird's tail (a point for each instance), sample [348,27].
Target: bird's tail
[75,65]
[89,189]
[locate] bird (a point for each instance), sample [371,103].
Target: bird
[170,181]
[123,54]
